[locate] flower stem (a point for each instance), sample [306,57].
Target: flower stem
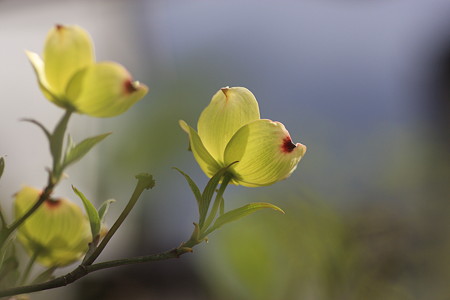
[145,181]
[2,219]
[217,202]
[29,266]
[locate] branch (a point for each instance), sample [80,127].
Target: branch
[83,270]
[145,181]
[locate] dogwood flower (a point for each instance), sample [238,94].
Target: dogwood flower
[230,130]
[58,232]
[69,76]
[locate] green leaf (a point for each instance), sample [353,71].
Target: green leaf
[9,265]
[241,212]
[208,192]
[8,249]
[70,143]
[2,166]
[193,186]
[56,143]
[80,150]
[92,213]
[103,209]
[47,133]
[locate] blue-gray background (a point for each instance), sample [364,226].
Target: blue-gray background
[364,84]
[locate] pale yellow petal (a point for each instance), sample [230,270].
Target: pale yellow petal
[229,110]
[58,230]
[265,153]
[38,67]
[67,50]
[104,89]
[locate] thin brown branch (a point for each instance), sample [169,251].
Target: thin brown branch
[82,271]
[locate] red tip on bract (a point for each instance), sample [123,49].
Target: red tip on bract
[288,146]
[52,203]
[129,86]
[225,90]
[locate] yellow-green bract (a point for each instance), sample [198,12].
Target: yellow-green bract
[69,76]
[230,130]
[57,233]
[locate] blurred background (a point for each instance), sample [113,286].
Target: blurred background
[364,84]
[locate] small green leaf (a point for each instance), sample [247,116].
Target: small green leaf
[70,143]
[47,133]
[80,150]
[103,209]
[241,212]
[9,273]
[2,166]
[7,250]
[57,139]
[92,213]
[9,265]
[193,186]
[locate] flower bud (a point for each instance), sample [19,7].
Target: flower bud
[57,232]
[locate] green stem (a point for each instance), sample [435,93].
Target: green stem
[2,219]
[145,181]
[219,198]
[27,270]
